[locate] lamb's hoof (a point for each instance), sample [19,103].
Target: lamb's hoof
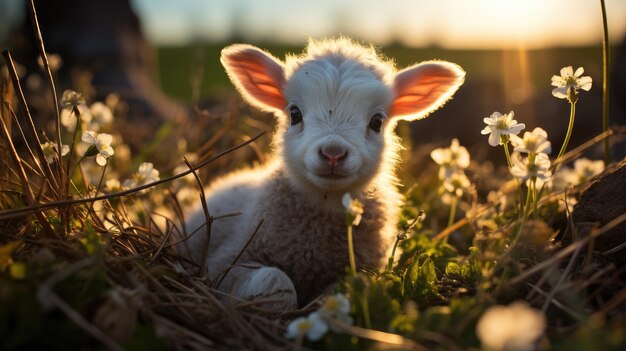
[266,283]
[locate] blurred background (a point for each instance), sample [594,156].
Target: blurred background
[162,56]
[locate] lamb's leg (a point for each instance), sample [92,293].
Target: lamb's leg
[257,282]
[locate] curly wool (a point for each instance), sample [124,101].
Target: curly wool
[305,241]
[338,85]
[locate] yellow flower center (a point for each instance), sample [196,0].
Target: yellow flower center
[331,304]
[304,326]
[501,124]
[531,142]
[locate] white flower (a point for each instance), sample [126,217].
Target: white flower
[453,187]
[570,80]
[71,99]
[456,183]
[451,159]
[146,174]
[584,169]
[336,304]
[338,307]
[515,327]
[113,185]
[524,170]
[533,142]
[312,326]
[354,208]
[100,144]
[68,117]
[499,125]
[101,115]
[50,150]
[587,169]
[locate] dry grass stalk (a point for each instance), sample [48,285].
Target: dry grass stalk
[8,214]
[26,188]
[207,217]
[44,56]
[29,119]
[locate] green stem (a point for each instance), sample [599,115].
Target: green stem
[605,82]
[510,163]
[540,193]
[351,251]
[525,213]
[533,184]
[366,312]
[527,204]
[393,255]
[572,114]
[508,155]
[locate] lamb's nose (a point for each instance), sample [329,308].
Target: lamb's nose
[333,153]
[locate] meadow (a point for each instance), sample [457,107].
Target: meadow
[493,250]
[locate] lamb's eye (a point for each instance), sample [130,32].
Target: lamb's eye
[376,122]
[295,114]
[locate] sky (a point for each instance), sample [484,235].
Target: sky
[461,24]
[445,23]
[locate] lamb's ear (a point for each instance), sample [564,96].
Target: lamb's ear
[423,88]
[258,76]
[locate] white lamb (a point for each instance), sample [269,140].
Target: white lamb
[336,108]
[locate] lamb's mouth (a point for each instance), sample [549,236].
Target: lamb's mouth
[332,175]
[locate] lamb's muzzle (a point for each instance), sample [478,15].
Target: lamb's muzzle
[336,107]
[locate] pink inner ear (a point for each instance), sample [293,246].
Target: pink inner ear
[423,88]
[258,76]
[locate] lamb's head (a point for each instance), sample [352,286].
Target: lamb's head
[337,105]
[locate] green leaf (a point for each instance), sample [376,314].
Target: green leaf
[428,270]
[91,151]
[453,269]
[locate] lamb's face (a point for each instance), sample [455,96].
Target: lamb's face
[336,117]
[338,103]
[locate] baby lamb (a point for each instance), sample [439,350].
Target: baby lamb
[336,108]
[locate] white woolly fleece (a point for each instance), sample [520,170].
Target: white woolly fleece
[339,87]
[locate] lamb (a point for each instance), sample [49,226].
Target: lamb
[336,107]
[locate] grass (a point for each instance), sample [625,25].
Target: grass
[85,264]
[200,66]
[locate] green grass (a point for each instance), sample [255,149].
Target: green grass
[57,279]
[178,67]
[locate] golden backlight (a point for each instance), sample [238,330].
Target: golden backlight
[446,23]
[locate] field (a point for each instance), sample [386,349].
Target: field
[493,251]
[179,67]
[517,80]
